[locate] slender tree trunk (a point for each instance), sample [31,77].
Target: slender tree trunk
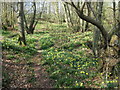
[30,29]
[5,13]
[13,15]
[114,13]
[83,25]
[82,22]
[68,15]
[21,23]
[67,21]
[96,38]
[88,14]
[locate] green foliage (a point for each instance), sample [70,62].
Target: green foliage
[8,44]
[71,45]
[5,32]
[66,66]
[46,42]
[65,55]
[12,44]
[10,57]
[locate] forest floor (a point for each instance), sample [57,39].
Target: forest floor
[27,75]
[55,57]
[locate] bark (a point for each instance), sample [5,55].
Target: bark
[12,20]
[114,13]
[116,29]
[68,15]
[49,7]
[97,34]
[6,16]
[57,11]
[21,23]
[88,14]
[31,27]
[83,24]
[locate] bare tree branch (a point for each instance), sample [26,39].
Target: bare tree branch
[92,21]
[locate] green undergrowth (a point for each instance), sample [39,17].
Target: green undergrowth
[12,44]
[46,42]
[66,57]
[67,68]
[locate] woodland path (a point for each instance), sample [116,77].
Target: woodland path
[23,75]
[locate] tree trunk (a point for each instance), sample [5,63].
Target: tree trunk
[30,29]
[88,14]
[67,21]
[21,23]
[114,13]
[6,16]
[68,16]
[97,34]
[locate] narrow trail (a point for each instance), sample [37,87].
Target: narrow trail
[42,79]
[25,75]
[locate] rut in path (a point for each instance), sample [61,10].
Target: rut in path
[27,76]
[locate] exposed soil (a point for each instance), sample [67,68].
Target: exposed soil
[24,75]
